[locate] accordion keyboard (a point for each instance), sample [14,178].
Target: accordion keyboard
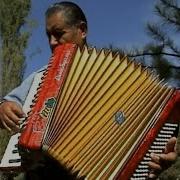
[11,158]
[167,131]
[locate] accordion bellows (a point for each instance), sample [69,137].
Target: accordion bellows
[105,115]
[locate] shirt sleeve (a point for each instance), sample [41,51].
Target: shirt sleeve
[19,94]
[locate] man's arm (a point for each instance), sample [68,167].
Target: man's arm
[10,114]
[11,107]
[19,94]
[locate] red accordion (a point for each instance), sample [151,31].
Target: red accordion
[100,114]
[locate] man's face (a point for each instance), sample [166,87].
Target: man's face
[59,32]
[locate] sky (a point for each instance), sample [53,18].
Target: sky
[120,23]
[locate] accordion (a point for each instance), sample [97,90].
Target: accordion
[99,114]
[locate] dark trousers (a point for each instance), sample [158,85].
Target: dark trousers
[50,169]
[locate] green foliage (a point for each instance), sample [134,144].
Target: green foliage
[163,52]
[169,12]
[159,61]
[162,34]
[14,40]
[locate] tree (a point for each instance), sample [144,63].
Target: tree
[14,39]
[163,52]
[13,42]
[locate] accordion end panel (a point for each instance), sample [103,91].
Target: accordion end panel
[32,134]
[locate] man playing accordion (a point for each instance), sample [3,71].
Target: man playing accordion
[65,22]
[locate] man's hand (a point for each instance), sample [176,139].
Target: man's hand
[163,161]
[10,114]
